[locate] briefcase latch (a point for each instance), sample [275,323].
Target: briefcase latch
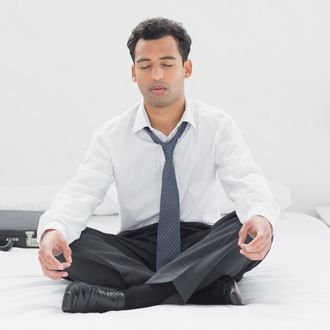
[30,240]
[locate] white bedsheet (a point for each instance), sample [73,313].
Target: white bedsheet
[290,289]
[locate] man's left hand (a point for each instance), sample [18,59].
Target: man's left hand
[261,231]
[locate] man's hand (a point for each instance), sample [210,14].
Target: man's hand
[52,244]
[261,231]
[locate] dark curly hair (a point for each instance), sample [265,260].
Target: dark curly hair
[156,28]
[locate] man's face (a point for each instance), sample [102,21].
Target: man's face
[159,72]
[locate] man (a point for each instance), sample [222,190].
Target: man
[166,155]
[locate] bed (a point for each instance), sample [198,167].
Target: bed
[290,289]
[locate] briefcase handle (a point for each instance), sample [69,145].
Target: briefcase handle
[9,245]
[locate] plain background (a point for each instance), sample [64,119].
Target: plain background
[65,69]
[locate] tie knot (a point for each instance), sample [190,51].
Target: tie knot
[168,147]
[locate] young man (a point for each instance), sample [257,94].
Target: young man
[166,155]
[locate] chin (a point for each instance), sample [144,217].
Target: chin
[162,101]
[159,102]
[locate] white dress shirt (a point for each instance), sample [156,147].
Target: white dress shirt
[210,152]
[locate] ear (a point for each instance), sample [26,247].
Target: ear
[133,73]
[187,68]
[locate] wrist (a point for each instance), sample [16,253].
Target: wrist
[269,223]
[45,232]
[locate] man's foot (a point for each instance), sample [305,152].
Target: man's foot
[223,291]
[80,297]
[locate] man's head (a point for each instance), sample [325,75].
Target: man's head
[159,48]
[156,28]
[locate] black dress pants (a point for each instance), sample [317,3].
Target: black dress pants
[128,258]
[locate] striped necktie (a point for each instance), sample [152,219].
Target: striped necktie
[168,231]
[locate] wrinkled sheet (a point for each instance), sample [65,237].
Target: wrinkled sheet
[290,289]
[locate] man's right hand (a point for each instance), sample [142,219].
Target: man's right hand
[52,244]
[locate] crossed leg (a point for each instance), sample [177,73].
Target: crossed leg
[128,258]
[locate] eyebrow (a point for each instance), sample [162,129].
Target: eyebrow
[143,59]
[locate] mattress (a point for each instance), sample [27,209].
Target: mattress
[290,289]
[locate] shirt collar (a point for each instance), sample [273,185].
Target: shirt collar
[142,120]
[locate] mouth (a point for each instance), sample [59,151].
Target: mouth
[158,90]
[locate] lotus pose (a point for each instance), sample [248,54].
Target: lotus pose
[168,156]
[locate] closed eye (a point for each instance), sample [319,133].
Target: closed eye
[148,66]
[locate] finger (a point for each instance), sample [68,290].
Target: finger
[260,243]
[64,248]
[67,253]
[46,256]
[257,244]
[252,249]
[243,233]
[51,262]
[54,275]
[256,255]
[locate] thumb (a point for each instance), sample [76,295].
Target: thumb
[67,253]
[66,250]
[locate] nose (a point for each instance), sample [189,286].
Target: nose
[157,73]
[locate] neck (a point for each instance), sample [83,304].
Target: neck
[165,118]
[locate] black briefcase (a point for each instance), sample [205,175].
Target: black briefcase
[19,229]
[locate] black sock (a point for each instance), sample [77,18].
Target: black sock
[214,294]
[202,297]
[147,294]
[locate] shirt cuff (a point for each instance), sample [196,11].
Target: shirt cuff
[53,225]
[271,216]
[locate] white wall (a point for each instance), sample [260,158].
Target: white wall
[65,69]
